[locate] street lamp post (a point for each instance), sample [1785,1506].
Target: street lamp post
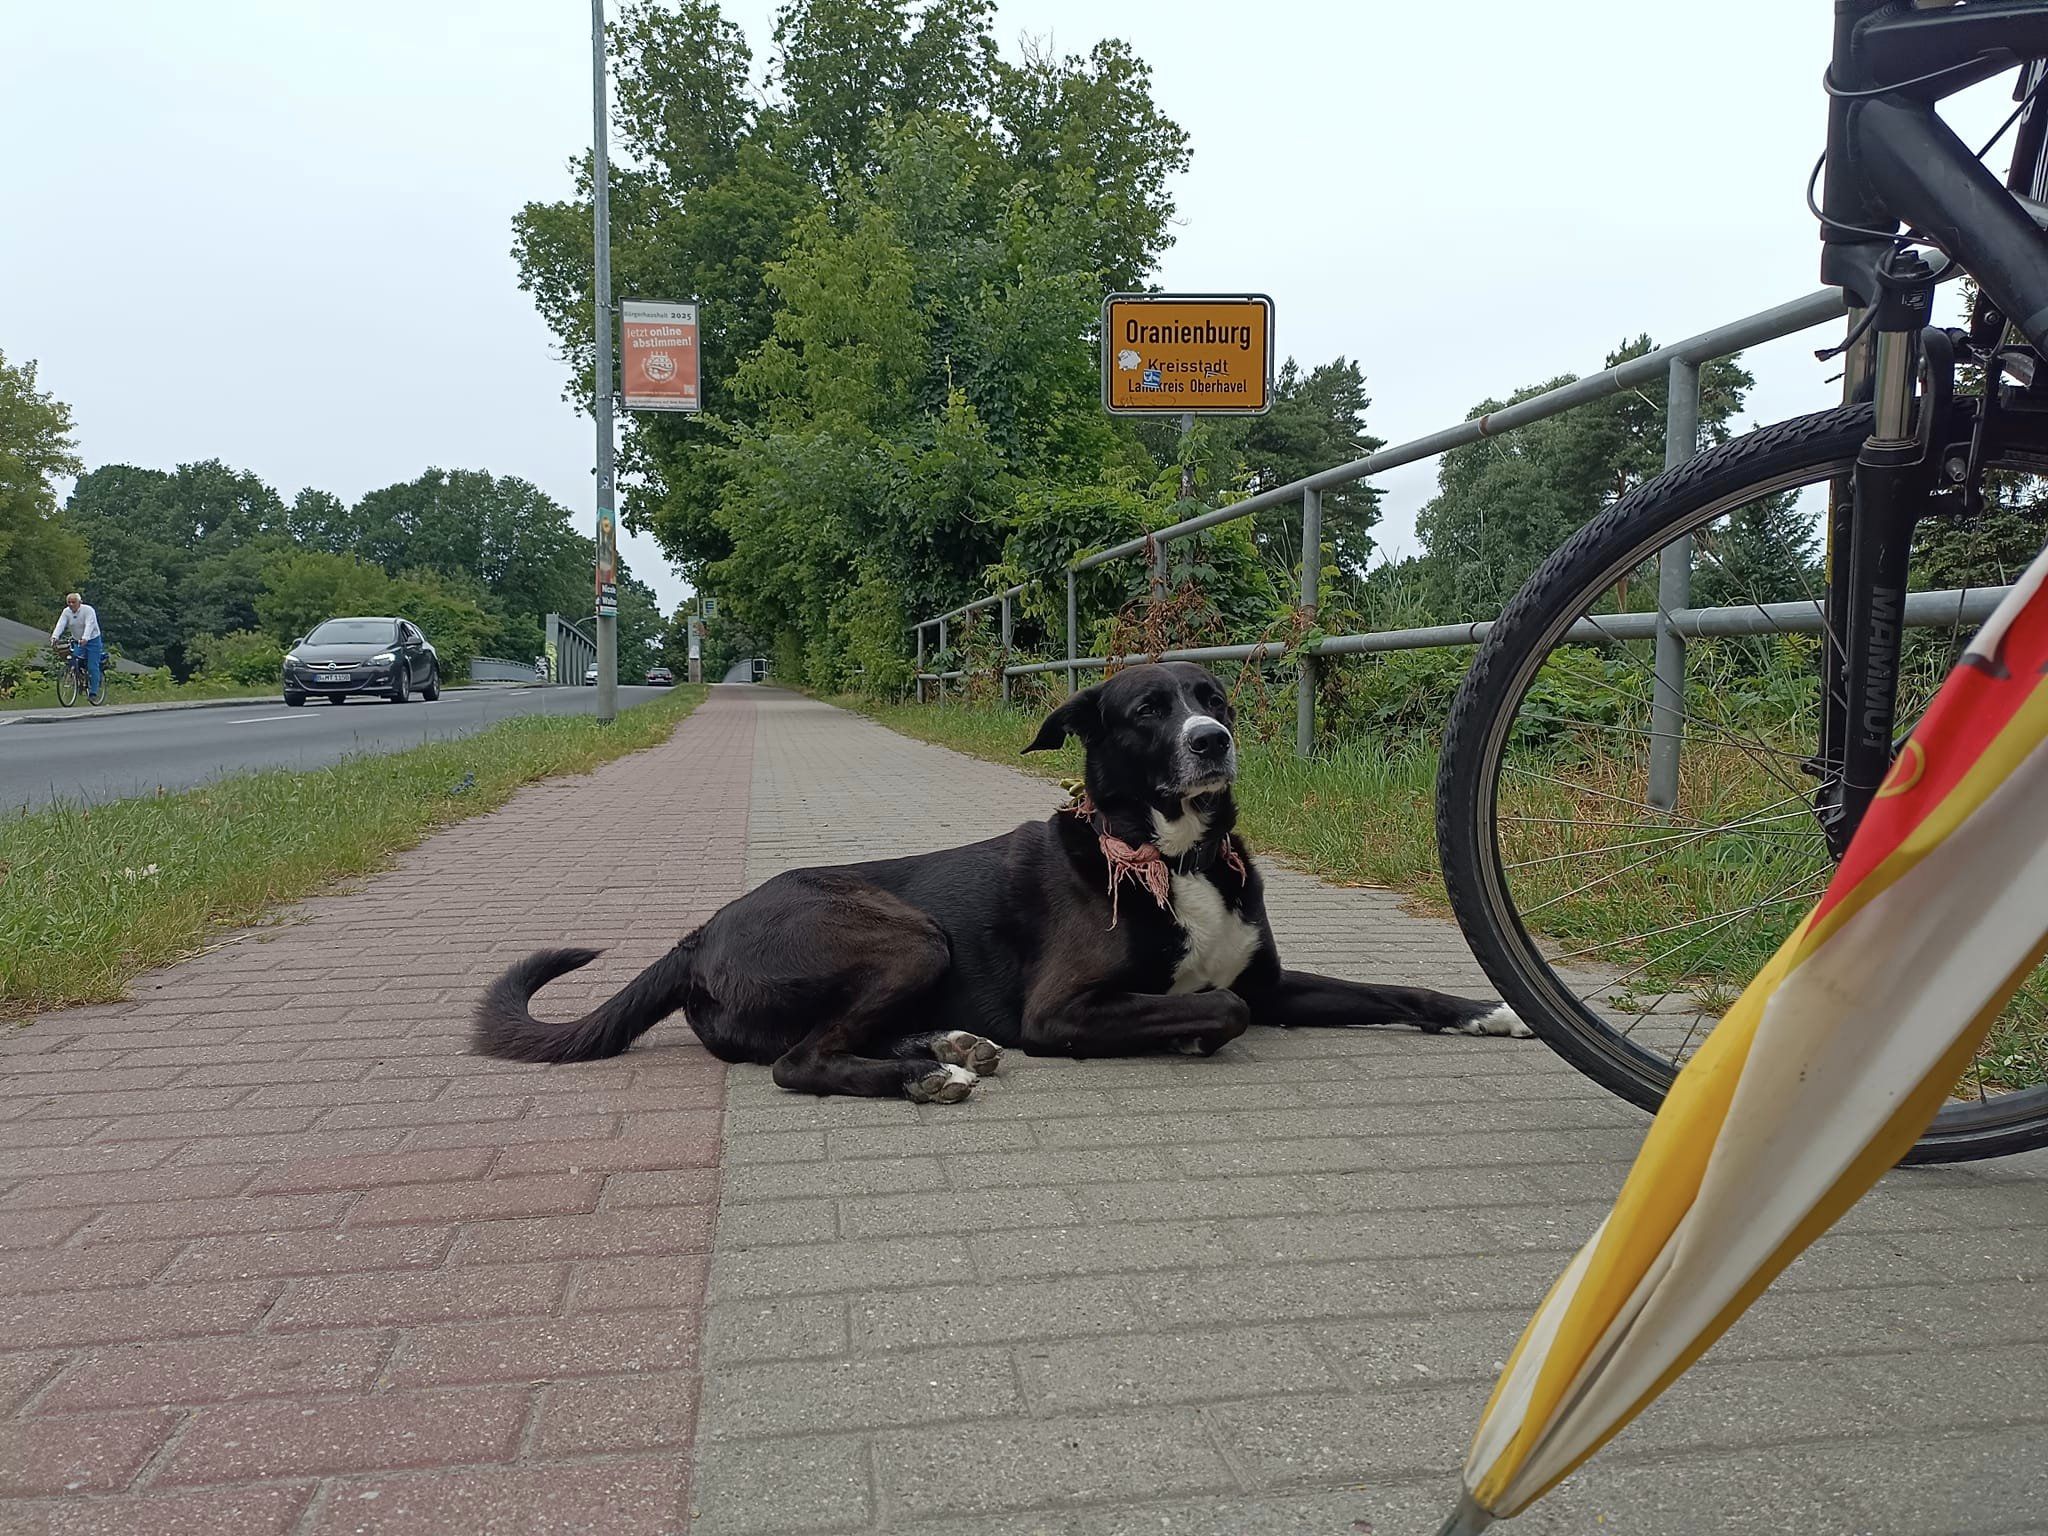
[607,523]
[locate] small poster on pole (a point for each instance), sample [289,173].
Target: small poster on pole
[658,356]
[607,562]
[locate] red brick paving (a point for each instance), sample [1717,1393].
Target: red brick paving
[277,1257]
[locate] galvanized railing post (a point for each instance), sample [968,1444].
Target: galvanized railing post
[1158,570]
[1003,671]
[944,645]
[920,664]
[1311,595]
[1674,591]
[1073,626]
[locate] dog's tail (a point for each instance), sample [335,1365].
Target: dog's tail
[504,1025]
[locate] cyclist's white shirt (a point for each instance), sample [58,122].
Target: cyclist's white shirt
[85,624]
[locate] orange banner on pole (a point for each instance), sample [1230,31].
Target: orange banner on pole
[658,356]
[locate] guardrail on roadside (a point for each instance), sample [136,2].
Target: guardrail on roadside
[497,669]
[1679,364]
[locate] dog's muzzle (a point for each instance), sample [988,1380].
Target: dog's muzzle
[1207,756]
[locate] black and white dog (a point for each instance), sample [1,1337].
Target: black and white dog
[1131,921]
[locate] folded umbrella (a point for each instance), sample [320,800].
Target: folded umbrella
[1821,1077]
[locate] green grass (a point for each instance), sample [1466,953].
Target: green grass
[1357,816]
[91,896]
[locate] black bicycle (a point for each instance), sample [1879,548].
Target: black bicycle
[74,679]
[1668,738]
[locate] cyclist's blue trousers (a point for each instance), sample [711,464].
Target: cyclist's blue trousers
[95,653]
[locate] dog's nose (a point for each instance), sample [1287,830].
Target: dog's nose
[1209,740]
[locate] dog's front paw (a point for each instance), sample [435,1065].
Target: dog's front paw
[1498,1020]
[978,1055]
[941,1085]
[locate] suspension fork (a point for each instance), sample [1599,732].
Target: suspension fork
[1870,548]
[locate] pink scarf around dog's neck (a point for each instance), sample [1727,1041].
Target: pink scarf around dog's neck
[1145,864]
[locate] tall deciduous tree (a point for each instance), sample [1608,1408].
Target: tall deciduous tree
[40,556]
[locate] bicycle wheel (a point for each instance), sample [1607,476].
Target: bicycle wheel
[68,680]
[1621,931]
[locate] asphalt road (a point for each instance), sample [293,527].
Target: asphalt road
[114,756]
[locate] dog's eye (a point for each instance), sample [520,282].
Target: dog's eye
[1146,709]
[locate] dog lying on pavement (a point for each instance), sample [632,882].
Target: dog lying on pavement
[1131,921]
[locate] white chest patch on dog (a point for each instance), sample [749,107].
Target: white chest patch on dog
[1175,836]
[1220,943]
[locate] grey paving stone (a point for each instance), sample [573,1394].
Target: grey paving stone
[772,1487]
[1353,1235]
[1192,1198]
[1265,1294]
[790,1181]
[1335,1438]
[784,1329]
[1011,1464]
[938,1381]
[844,1266]
[980,1312]
[1011,1170]
[1393,1509]
[763,1223]
[985,1211]
[1206,1365]
[776,1146]
[1096,1249]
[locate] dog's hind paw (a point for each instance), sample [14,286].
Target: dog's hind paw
[979,1056]
[942,1085]
[1498,1020]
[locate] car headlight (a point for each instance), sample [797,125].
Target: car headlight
[383,657]
[292,660]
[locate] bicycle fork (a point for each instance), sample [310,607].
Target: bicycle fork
[1870,547]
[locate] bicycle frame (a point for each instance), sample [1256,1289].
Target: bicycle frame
[1892,163]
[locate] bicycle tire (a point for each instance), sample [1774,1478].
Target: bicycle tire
[1487,702]
[67,686]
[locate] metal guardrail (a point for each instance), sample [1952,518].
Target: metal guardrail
[574,650]
[1678,363]
[499,669]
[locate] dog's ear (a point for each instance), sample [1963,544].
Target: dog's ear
[1080,716]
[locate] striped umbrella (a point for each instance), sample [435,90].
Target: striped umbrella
[1823,1074]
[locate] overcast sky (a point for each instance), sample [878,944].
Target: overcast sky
[275,232]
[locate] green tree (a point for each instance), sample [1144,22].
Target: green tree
[1317,422]
[41,557]
[165,552]
[495,535]
[899,259]
[1504,503]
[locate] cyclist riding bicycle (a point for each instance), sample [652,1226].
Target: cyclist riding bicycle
[83,620]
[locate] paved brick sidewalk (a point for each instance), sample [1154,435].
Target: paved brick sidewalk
[276,1257]
[1268,1292]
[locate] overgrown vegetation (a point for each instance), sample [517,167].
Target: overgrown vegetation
[89,896]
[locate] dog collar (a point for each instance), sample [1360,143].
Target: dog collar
[1145,863]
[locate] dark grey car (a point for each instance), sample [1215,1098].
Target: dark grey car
[384,656]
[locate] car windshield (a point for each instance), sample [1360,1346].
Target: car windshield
[352,632]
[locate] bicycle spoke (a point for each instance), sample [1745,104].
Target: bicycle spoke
[1758,821]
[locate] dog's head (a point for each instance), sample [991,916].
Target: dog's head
[1157,737]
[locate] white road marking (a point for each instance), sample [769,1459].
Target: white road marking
[259,719]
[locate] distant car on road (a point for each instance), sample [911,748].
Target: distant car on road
[386,655]
[660,677]
[590,675]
